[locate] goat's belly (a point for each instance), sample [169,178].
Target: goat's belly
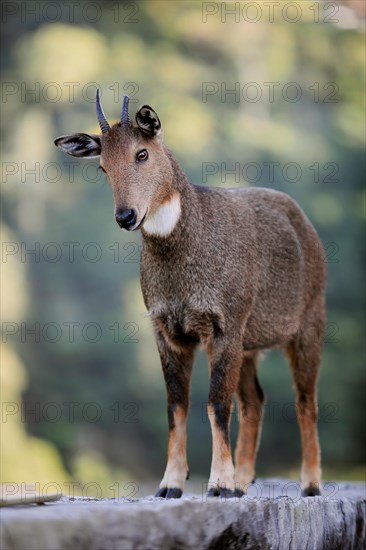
[263,337]
[266,331]
[277,310]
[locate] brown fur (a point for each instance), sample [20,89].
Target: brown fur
[250,401]
[242,271]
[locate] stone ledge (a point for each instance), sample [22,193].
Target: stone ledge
[191,522]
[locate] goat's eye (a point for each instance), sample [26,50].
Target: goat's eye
[142,155]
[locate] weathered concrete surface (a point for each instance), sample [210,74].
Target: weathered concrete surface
[334,521]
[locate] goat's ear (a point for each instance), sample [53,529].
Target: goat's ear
[148,121]
[80,145]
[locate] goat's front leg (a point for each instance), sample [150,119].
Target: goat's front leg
[177,369]
[225,364]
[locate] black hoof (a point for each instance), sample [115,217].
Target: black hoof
[311,491]
[164,492]
[174,493]
[224,493]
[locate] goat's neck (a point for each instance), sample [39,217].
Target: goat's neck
[188,224]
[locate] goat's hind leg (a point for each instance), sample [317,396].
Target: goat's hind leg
[305,355]
[250,402]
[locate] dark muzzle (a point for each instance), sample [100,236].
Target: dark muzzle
[126,218]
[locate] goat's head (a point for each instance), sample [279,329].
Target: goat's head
[134,159]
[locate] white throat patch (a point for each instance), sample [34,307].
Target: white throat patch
[165,218]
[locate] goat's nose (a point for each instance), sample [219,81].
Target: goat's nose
[126,218]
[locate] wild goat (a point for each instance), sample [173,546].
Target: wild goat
[234,270]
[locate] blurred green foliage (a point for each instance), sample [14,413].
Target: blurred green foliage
[99,407]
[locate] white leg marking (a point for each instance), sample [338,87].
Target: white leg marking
[222,468]
[176,469]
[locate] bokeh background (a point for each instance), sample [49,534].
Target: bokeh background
[83,397]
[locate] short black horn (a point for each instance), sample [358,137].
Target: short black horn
[125,119]
[104,126]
